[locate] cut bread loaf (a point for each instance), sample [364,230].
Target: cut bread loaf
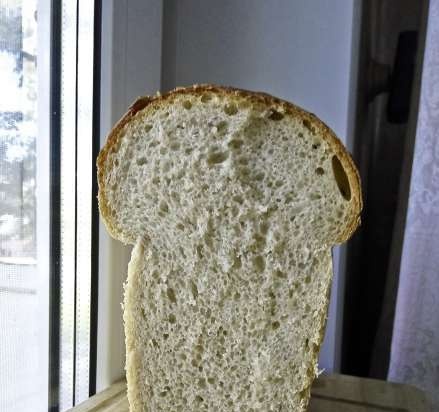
[233,200]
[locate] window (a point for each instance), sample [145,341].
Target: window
[24,292]
[77,204]
[49,100]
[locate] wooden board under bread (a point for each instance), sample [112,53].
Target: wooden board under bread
[332,393]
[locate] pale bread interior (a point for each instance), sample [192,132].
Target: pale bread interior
[233,205]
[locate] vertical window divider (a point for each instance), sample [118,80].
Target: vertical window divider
[55,195]
[95,209]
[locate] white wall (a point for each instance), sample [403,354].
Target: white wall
[301,51]
[298,50]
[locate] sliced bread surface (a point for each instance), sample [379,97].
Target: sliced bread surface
[233,201]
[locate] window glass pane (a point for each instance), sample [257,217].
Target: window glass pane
[68,202]
[84,146]
[77,166]
[23,203]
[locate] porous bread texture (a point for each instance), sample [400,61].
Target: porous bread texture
[233,201]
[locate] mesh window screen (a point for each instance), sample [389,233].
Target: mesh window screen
[24,277]
[48,217]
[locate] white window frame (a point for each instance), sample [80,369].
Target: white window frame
[130,66]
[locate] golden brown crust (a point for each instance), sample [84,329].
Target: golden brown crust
[254,97]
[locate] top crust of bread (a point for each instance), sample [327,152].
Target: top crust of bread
[232,94]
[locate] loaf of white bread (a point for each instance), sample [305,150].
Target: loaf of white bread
[233,201]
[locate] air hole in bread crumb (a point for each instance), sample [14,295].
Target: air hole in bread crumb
[275,325]
[243,161]
[147,128]
[172,318]
[199,250]
[275,115]
[234,211]
[259,176]
[341,178]
[315,196]
[221,127]
[206,98]
[171,295]
[280,274]
[216,158]
[245,171]
[175,196]
[263,227]
[237,264]
[320,171]
[259,263]
[174,146]
[187,104]
[141,161]
[164,207]
[235,143]
[230,109]
[194,289]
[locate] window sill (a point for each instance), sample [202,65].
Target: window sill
[329,393]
